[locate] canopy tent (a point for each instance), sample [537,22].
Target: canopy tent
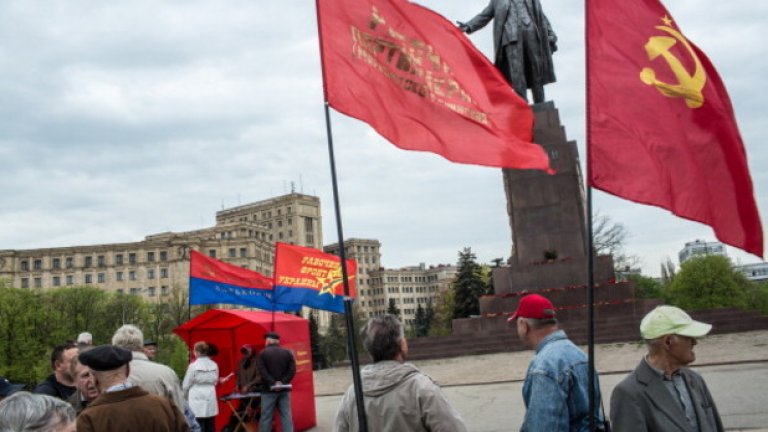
[231,329]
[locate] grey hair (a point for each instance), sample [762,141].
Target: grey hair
[381,337]
[27,412]
[129,337]
[537,323]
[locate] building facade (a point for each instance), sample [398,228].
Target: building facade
[243,236]
[757,272]
[701,247]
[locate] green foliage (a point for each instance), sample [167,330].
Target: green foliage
[708,281]
[442,314]
[315,340]
[33,321]
[392,309]
[758,297]
[646,287]
[334,343]
[469,285]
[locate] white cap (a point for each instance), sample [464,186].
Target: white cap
[667,320]
[85,338]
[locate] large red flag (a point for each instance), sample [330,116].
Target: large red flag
[661,126]
[412,75]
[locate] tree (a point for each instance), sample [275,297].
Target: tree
[318,359]
[468,286]
[334,343]
[609,238]
[392,309]
[709,281]
[442,314]
[646,287]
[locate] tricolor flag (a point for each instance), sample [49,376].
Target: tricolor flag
[661,126]
[215,282]
[311,277]
[416,79]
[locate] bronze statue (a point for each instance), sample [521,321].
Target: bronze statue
[523,42]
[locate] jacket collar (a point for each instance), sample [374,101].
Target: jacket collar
[659,395]
[554,336]
[118,396]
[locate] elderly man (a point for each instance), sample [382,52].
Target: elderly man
[152,377]
[555,390]
[398,397]
[524,42]
[24,411]
[662,394]
[86,388]
[123,406]
[150,349]
[277,366]
[60,384]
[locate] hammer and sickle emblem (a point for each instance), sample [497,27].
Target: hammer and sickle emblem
[688,86]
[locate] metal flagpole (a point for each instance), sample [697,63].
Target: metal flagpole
[590,245]
[351,345]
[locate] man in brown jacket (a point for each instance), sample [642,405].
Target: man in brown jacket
[122,406]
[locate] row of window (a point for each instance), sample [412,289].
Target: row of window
[88,261]
[88,278]
[151,291]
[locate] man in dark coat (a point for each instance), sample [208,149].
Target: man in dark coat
[662,394]
[60,384]
[277,367]
[122,406]
[523,41]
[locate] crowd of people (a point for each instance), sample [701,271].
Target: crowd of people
[119,386]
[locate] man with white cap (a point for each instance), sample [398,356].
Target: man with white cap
[555,391]
[662,394]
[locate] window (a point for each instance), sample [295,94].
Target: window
[88,278]
[163,272]
[38,282]
[135,291]
[119,259]
[290,233]
[120,291]
[102,262]
[131,258]
[25,266]
[163,255]
[151,256]
[212,253]
[25,282]
[119,276]
[151,274]
[132,275]
[279,224]
[151,291]
[232,252]
[164,290]
[70,280]
[289,209]
[243,252]
[56,263]
[88,261]
[38,264]
[69,262]
[57,281]
[101,277]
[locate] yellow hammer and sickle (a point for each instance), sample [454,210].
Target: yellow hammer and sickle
[688,86]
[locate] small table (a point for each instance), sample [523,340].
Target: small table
[241,423]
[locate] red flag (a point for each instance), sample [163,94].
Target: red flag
[661,126]
[412,75]
[311,277]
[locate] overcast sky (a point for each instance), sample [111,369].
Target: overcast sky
[123,119]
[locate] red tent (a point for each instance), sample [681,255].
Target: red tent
[231,329]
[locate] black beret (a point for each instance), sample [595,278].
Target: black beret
[105,357]
[148,342]
[272,335]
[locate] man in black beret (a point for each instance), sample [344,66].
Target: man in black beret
[277,368]
[150,349]
[121,405]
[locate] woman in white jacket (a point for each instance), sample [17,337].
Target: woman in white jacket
[200,385]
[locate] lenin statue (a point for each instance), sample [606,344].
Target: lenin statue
[523,42]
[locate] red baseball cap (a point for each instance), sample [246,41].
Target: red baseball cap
[533,306]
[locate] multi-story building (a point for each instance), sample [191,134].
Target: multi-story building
[757,272]
[408,287]
[243,235]
[700,247]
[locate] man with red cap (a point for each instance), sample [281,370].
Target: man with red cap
[555,391]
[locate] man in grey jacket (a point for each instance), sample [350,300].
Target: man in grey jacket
[662,394]
[398,397]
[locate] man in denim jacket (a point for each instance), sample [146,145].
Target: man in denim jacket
[555,389]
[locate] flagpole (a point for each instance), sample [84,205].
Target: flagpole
[351,345]
[590,244]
